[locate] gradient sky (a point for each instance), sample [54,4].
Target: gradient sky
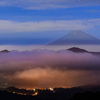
[24,22]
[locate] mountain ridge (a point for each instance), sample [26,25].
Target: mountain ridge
[5,51]
[79,50]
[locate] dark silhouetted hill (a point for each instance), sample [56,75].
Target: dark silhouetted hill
[56,94]
[16,90]
[77,50]
[5,51]
[4,95]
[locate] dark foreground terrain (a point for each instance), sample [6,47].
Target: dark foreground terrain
[86,96]
[75,93]
[4,95]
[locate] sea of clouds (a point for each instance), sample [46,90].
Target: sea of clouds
[48,68]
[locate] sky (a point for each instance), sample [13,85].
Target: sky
[26,22]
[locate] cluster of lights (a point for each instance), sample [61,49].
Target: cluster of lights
[20,93]
[35,92]
[51,89]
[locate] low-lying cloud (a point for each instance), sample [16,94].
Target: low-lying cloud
[48,68]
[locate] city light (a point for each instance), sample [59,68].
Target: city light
[51,89]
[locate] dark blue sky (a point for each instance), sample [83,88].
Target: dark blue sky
[41,22]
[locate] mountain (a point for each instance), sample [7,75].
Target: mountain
[79,50]
[5,51]
[77,37]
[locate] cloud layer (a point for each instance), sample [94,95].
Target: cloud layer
[7,26]
[48,68]
[48,4]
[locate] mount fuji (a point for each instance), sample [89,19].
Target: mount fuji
[76,37]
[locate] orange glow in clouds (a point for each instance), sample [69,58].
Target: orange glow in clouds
[46,78]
